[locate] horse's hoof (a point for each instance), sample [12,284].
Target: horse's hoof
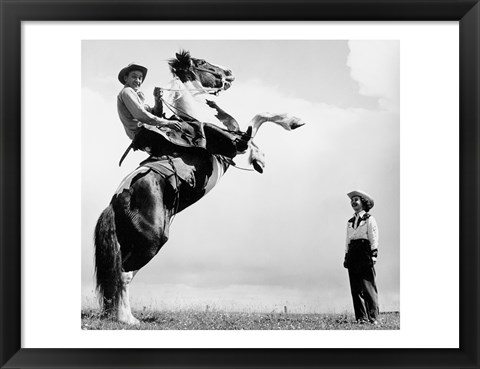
[258,166]
[130,320]
[211,103]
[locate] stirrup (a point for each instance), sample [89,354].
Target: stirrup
[241,143]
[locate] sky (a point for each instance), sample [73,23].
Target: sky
[259,242]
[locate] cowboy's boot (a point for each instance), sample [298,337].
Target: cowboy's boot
[241,143]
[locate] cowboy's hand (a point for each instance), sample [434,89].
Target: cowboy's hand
[173,124]
[157,93]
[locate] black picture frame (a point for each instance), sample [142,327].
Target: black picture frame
[466,12]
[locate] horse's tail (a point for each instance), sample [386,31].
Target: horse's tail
[108,261]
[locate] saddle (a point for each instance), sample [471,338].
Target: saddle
[161,140]
[191,135]
[158,141]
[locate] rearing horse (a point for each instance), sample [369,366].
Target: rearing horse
[135,225]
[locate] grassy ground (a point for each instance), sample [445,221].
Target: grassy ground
[217,320]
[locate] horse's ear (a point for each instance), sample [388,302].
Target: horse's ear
[179,56]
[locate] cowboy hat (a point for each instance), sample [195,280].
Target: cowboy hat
[362,194]
[124,72]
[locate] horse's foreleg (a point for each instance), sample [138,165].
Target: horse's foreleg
[227,120]
[285,121]
[256,157]
[124,311]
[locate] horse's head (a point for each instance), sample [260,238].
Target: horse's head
[191,69]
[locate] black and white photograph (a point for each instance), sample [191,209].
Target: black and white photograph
[240,184]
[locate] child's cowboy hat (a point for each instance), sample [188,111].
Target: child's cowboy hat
[362,194]
[128,69]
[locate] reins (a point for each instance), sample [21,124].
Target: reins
[211,91]
[178,110]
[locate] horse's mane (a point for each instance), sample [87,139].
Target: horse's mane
[180,66]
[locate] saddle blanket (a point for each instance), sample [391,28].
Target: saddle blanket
[171,168]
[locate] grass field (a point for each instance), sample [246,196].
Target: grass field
[218,320]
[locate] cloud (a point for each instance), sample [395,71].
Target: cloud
[375,65]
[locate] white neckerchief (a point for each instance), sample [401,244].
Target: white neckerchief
[360,214]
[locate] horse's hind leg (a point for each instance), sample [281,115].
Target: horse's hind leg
[138,258]
[124,311]
[143,224]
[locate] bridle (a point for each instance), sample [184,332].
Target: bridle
[212,91]
[193,69]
